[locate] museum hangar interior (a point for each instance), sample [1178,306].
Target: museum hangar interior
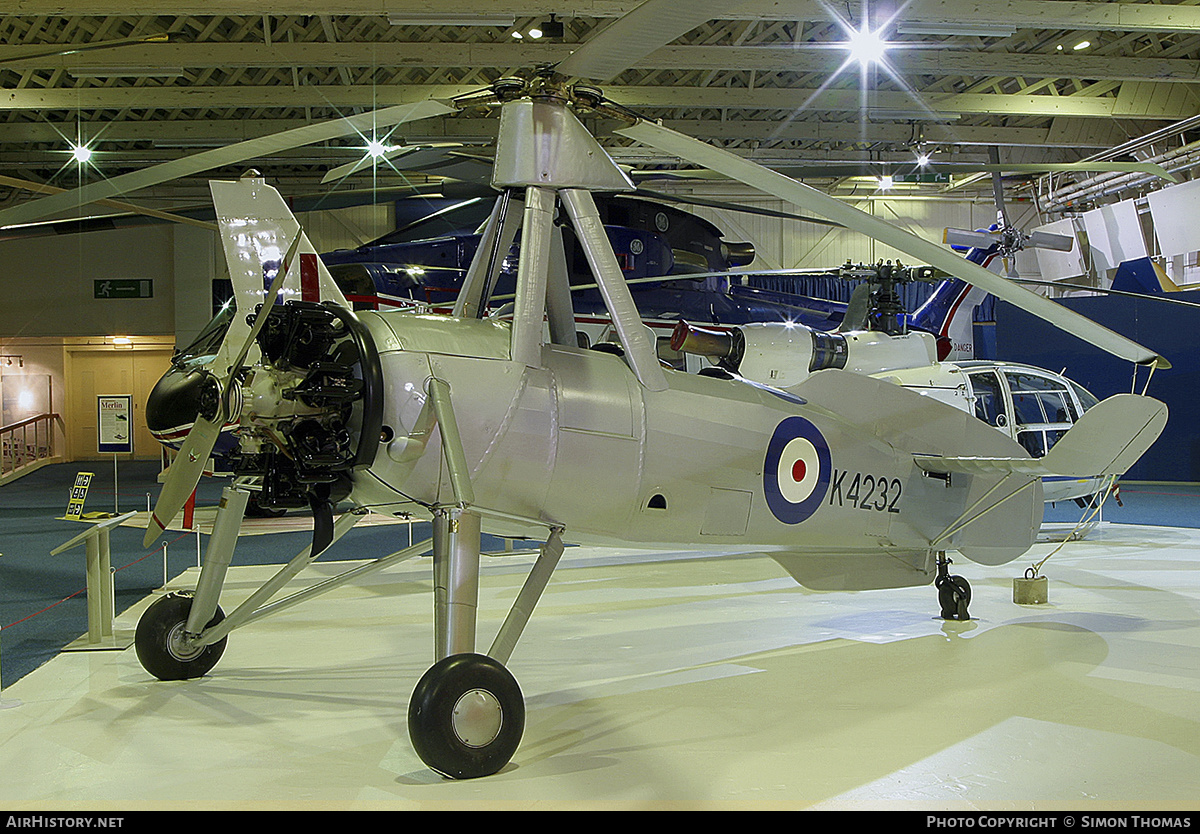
[777,557]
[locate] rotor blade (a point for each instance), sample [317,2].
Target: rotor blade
[183,476]
[366,161]
[1049,240]
[718,204]
[72,49]
[218,157]
[964,237]
[635,35]
[922,250]
[42,188]
[855,317]
[1165,299]
[1102,167]
[998,188]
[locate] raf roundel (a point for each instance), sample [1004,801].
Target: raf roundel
[796,471]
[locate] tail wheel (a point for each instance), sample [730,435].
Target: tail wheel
[466,716]
[954,595]
[161,642]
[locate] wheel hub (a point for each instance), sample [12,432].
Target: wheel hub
[180,644]
[477,718]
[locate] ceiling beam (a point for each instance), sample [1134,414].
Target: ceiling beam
[1027,14]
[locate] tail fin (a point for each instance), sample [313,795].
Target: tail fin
[949,313]
[257,232]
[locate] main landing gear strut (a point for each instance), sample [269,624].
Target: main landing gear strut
[467,714]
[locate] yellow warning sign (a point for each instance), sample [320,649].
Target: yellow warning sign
[78,494]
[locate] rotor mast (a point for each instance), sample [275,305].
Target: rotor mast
[543,150]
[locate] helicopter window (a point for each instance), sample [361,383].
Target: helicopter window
[1033,441]
[989,403]
[1086,398]
[1057,407]
[1038,399]
[1027,408]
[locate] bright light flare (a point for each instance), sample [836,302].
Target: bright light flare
[376,149]
[866,46]
[81,153]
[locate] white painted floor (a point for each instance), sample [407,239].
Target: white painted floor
[664,680]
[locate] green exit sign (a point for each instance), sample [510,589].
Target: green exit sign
[123,288]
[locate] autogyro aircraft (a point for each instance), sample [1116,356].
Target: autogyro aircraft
[482,425]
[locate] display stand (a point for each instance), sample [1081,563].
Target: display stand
[100,594]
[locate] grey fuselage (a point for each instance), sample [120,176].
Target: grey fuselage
[820,476]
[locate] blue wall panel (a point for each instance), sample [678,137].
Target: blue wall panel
[1171,330]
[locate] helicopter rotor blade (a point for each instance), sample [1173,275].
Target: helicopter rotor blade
[971,239]
[1164,299]
[855,317]
[809,198]
[1049,240]
[634,35]
[218,157]
[735,207]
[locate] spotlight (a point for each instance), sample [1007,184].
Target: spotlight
[866,47]
[81,153]
[553,28]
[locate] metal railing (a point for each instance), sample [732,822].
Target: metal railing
[26,442]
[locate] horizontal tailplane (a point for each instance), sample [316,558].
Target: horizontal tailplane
[1107,440]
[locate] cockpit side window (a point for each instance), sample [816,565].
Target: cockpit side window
[1086,398]
[1043,409]
[989,401]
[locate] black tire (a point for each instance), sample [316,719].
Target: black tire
[157,645]
[954,594]
[444,737]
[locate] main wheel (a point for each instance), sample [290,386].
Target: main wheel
[466,716]
[160,645]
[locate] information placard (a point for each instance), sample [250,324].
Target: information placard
[78,495]
[114,423]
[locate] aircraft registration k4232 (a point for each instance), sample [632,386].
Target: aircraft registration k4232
[846,480]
